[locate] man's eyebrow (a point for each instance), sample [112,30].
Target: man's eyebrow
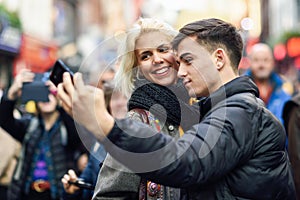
[184,55]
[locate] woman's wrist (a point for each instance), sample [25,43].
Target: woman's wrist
[11,94]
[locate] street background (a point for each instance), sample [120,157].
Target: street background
[33,33]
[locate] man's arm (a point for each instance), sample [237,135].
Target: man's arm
[209,150]
[206,152]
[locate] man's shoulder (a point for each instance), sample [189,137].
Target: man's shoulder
[240,104]
[244,100]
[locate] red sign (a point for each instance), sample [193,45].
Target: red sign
[293,46]
[36,55]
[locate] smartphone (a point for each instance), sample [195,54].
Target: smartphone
[37,90]
[59,68]
[81,184]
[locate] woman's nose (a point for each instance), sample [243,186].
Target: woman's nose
[157,59]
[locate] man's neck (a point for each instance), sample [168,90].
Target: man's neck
[228,75]
[225,76]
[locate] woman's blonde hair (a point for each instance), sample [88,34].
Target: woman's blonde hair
[126,74]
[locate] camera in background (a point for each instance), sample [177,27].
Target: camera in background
[37,90]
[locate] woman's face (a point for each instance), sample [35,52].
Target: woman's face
[48,107]
[155,58]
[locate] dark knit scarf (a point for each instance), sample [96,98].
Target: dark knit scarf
[168,104]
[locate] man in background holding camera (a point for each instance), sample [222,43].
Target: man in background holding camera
[50,143]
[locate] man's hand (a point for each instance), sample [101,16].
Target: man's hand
[23,76]
[86,104]
[71,176]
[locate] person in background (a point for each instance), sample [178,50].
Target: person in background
[116,104]
[270,84]
[291,117]
[97,78]
[236,151]
[9,154]
[50,144]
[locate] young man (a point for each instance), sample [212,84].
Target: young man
[237,151]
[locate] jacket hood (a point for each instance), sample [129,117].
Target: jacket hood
[242,84]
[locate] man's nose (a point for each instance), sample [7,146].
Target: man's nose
[181,71]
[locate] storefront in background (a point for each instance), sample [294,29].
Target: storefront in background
[10,42]
[36,55]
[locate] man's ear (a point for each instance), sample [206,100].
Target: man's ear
[220,58]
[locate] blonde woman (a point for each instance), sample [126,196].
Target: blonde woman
[147,65]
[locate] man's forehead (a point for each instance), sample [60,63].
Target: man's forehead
[189,45]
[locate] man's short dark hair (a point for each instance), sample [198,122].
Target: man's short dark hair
[212,34]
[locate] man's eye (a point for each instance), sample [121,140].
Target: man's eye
[188,60]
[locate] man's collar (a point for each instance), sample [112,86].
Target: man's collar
[242,84]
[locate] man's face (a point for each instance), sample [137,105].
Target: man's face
[262,63]
[197,68]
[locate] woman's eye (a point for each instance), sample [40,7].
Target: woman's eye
[145,56]
[163,49]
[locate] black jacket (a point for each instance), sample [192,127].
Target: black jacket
[237,151]
[291,117]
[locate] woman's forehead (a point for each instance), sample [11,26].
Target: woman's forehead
[152,40]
